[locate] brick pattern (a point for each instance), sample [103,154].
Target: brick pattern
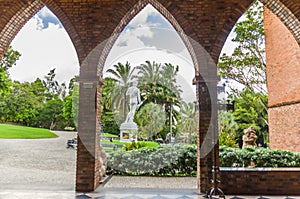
[283,71]
[265,182]
[283,66]
[284,127]
[286,15]
[14,15]
[94,25]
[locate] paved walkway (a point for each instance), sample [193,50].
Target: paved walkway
[45,169]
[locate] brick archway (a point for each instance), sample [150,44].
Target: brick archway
[286,11]
[90,23]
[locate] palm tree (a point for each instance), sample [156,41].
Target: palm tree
[123,74]
[172,93]
[150,119]
[158,85]
[188,119]
[148,73]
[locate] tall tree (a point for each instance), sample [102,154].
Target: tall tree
[150,119]
[247,64]
[227,128]
[109,118]
[9,59]
[21,104]
[188,122]
[158,85]
[250,110]
[123,74]
[148,73]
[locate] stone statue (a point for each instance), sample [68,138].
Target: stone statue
[134,101]
[129,129]
[249,137]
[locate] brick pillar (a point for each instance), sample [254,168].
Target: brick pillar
[87,179]
[204,136]
[283,72]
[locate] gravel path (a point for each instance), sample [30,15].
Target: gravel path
[39,162]
[152,182]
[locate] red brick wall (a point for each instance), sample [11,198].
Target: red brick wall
[264,182]
[283,72]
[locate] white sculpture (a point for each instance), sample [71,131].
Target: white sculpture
[134,101]
[129,128]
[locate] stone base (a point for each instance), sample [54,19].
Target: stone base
[128,132]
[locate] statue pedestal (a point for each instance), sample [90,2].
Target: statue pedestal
[128,132]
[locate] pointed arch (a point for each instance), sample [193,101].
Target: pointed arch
[129,16]
[287,17]
[17,16]
[24,11]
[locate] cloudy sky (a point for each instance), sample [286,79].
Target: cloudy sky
[44,45]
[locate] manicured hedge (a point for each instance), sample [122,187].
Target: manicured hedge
[178,160]
[258,156]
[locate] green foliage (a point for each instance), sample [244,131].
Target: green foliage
[181,160]
[122,75]
[249,111]
[109,117]
[150,119]
[9,59]
[227,129]
[246,65]
[157,83]
[162,161]
[261,157]
[51,114]
[140,144]
[188,121]
[75,103]
[227,139]
[21,132]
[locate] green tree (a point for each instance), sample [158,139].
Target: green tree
[247,65]
[148,73]
[51,115]
[109,116]
[150,119]
[188,122]
[123,75]
[250,110]
[227,128]
[75,103]
[158,85]
[54,89]
[9,59]
[21,105]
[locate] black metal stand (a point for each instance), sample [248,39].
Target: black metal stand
[215,190]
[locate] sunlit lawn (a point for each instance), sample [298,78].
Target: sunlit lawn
[22,132]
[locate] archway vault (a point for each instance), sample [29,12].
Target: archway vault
[207,22]
[203,26]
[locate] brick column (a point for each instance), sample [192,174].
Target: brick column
[283,72]
[91,160]
[86,178]
[205,134]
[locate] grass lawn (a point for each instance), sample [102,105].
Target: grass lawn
[22,132]
[109,135]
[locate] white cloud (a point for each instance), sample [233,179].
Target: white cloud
[42,50]
[141,18]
